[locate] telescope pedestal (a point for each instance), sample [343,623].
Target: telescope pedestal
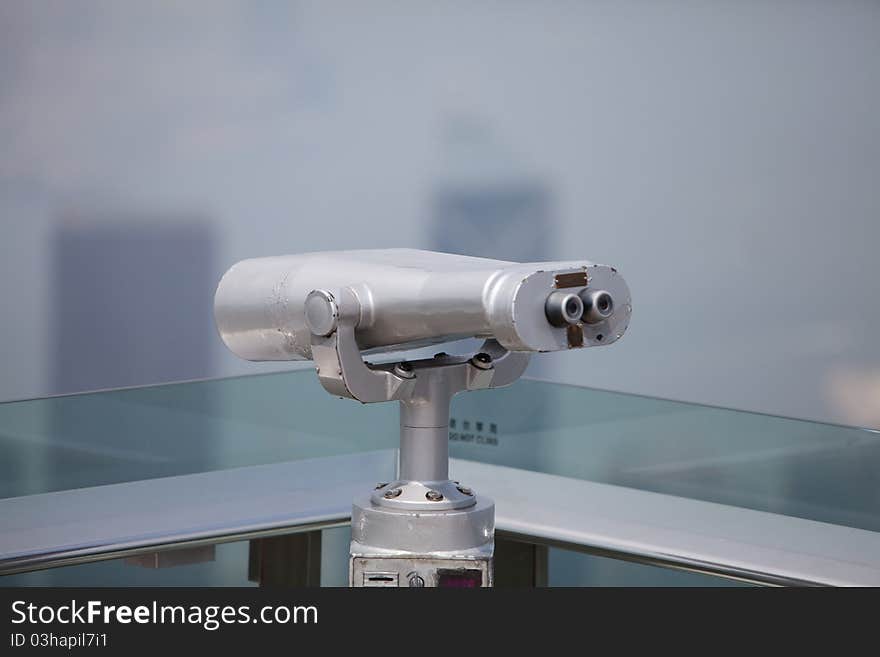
[422,529]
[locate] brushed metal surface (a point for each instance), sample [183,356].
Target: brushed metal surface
[677,532]
[101,522]
[406,297]
[90,524]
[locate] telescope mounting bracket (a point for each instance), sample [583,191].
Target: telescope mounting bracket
[424,389]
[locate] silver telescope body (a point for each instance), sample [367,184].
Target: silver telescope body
[422,528]
[409,298]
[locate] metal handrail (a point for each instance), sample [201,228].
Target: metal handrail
[105,522]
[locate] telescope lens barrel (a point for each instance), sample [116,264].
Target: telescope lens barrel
[598,306]
[563,308]
[271,308]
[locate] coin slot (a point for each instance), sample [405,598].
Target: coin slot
[380,579]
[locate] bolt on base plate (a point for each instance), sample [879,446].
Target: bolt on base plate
[423,495]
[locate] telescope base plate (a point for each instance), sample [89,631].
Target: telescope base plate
[413,548]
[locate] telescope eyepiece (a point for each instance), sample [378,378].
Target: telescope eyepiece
[598,306]
[563,308]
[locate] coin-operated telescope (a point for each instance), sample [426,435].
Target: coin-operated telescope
[334,307]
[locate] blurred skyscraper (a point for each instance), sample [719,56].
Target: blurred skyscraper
[132,301]
[131,305]
[487,204]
